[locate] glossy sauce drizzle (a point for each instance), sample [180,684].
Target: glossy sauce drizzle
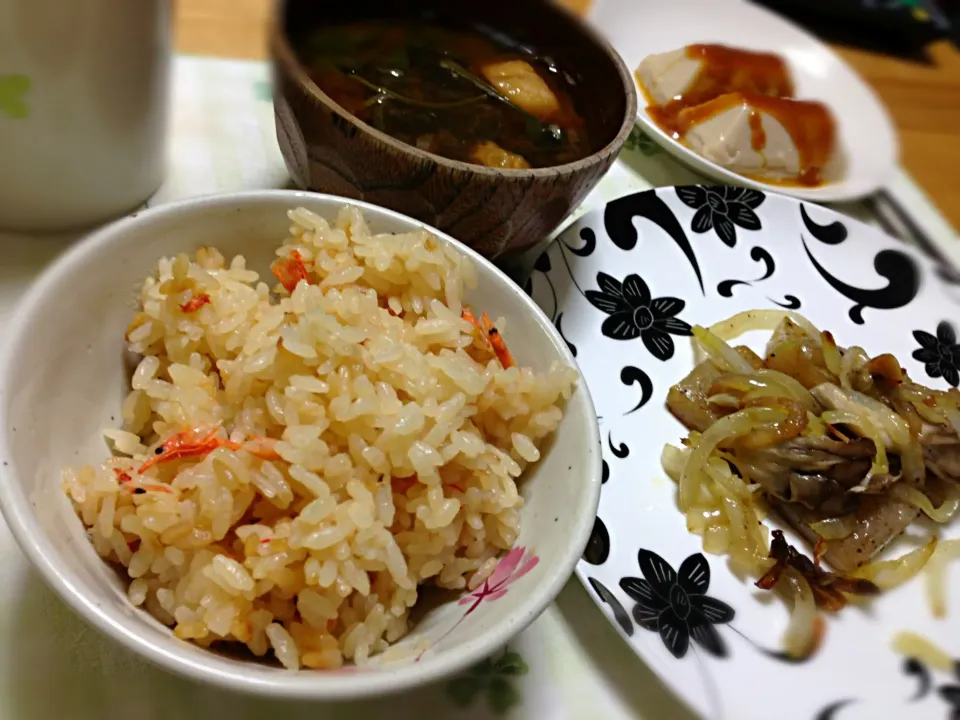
[758,136]
[809,125]
[728,78]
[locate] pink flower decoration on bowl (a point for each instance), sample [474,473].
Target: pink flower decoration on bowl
[512,566]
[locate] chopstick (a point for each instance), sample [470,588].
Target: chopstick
[896,222]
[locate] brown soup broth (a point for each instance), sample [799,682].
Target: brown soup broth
[430,87]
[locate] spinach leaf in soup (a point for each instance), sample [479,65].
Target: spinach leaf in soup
[472,96]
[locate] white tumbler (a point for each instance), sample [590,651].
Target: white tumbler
[84,90]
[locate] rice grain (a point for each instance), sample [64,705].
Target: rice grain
[348,439]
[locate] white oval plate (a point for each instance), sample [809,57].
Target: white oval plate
[697,255]
[638,28]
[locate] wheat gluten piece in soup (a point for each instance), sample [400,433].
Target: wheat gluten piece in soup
[295,461]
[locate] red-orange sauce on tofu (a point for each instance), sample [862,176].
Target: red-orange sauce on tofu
[809,124]
[725,70]
[729,77]
[758,136]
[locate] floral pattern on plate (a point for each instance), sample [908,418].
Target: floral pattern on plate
[624,284]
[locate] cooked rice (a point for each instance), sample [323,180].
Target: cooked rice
[394,440]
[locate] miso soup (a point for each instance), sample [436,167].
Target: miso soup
[468,95]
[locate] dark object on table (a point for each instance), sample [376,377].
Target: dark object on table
[893,27]
[497,211]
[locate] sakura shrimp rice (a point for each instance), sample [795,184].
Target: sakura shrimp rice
[294,462]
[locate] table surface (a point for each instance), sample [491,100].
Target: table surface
[924,99]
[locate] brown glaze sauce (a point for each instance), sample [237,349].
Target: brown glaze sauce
[809,124]
[729,77]
[758,136]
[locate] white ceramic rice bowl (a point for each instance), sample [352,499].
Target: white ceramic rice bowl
[62,382]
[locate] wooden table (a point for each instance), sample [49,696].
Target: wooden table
[923,99]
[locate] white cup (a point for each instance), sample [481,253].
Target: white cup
[83,105]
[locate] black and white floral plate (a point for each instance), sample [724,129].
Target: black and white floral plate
[624,284]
